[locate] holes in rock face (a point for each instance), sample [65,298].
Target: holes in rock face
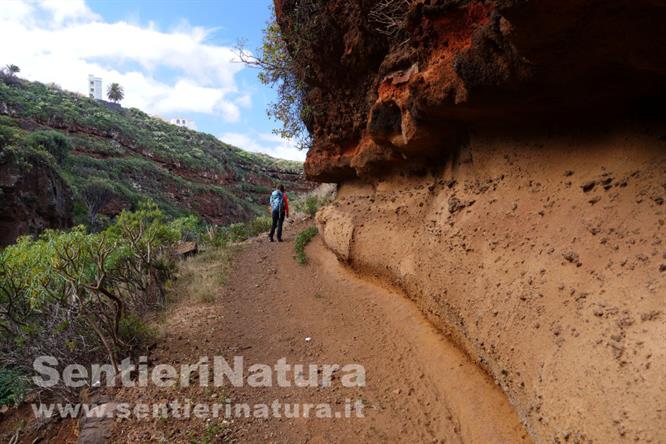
[385,121]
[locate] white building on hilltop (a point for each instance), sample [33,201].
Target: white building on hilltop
[179,121]
[95,87]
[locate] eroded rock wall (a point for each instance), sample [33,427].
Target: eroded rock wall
[381,101]
[504,162]
[33,197]
[544,259]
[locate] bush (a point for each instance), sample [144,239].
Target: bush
[260,225]
[7,136]
[241,231]
[135,332]
[79,296]
[52,142]
[302,239]
[190,227]
[311,202]
[13,387]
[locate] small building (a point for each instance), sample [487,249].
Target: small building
[179,121]
[95,87]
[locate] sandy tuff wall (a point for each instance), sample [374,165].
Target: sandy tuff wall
[465,136]
[544,258]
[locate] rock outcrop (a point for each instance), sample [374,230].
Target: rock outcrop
[379,101]
[33,197]
[504,163]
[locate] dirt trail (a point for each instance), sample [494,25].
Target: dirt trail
[419,387]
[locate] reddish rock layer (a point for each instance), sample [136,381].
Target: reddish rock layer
[379,101]
[32,197]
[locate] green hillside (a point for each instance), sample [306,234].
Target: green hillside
[132,156]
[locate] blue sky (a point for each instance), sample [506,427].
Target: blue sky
[173,57]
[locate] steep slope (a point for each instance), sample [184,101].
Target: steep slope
[33,197]
[504,162]
[142,157]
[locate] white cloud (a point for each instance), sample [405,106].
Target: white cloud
[63,10]
[13,10]
[63,41]
[188,96]
[244,101]
[266,143]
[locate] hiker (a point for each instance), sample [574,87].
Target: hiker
[279,210]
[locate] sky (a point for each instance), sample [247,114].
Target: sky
[174,58]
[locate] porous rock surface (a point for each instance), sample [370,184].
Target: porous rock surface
[504,163]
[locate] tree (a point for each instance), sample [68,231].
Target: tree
[115,93]
[12,70]
[277,67]
[95,195]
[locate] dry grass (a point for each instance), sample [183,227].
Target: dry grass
[310,202]
[201,277]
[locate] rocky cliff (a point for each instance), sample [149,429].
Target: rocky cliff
[504,163]
[33,196]
[410,79]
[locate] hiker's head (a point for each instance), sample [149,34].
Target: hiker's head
[281,188]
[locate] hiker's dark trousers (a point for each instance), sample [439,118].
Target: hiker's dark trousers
[278,220]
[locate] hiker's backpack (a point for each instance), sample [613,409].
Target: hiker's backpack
[277,201]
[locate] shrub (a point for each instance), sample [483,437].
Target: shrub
[389,18]
[13,387]
[190,227]
[260,225]
[51,141]
[135,332]
[311,202]
[302,239]
[7,136]
[241,231]
[79,296]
